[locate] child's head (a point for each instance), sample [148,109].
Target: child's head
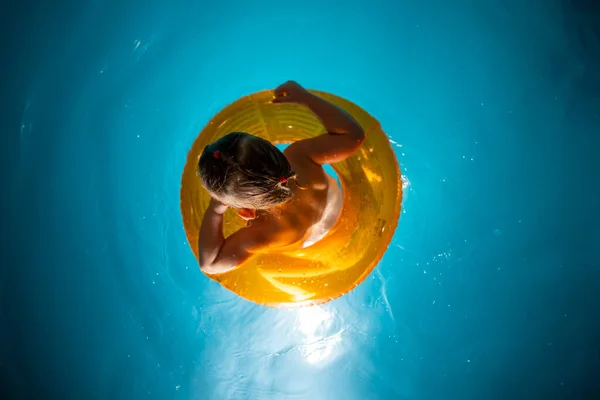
[245,172]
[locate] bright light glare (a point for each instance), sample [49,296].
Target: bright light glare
[318,346]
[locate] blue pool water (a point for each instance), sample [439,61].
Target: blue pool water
[489,289]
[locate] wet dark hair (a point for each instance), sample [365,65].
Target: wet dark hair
[245,171]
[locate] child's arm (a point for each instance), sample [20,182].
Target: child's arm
[217,254]
[344,135]
[211,239]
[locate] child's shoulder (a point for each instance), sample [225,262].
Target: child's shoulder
[308,173]
[297,151]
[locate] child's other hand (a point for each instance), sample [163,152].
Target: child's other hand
[290,92]
[217,206]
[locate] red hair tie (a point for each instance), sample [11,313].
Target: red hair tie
[217,154]
[283,179]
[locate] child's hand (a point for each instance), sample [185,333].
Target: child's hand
[291,92]
[217,206]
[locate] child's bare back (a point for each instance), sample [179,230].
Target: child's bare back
[288,197]
[312,211]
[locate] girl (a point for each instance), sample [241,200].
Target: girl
[287,195]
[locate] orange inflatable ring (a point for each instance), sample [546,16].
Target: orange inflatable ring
[333,266]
